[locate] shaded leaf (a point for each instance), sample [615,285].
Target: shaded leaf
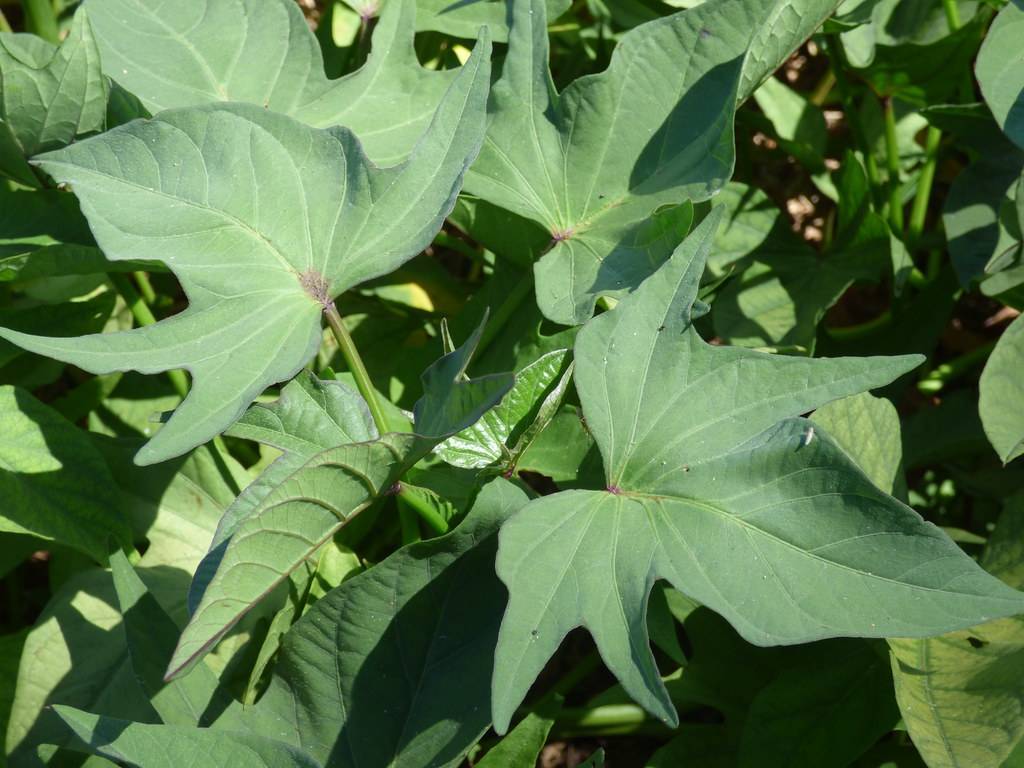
[1001,404]
[1000,70]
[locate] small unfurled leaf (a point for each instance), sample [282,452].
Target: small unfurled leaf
[264,220]
[1000,70]
[53,483]
[314,502]
[704,471]
[393,666]
[167,746]
[262,52]
[1001,404]
[48,95]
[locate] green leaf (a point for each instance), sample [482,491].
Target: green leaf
[960,693]
[10,653]
[1001,404]
[157,746]
[592,164]
[63,259]
[462,19]
[53,482]
[313,503]
[522,745]
[704,472]
[393,667]
[48,96]
[262,52]
[257,280]
[868,429]
[1000,70]
[797,122]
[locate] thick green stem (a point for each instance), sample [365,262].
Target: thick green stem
[40,19]
[505,310]
[356,367]
[924,187]
[427,513]
[144,316]
[942,374]
[145,287]
[952,14]
[892,156]
[407,523]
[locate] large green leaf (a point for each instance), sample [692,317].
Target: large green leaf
[262,52]
[1001,404]
[313,503]
[961,694]
[264,220]
[53,483]
[1000,70]
[707,488]
[168,746]
[592,164]
[48,95]
[393,667]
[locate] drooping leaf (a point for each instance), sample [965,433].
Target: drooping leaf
[961,694]
[1000,70]
[262,52]
[53,483]
[703,470]
[313,503]
[264,221]
[48,95]
[393,666]
[159,746]
[1001,403]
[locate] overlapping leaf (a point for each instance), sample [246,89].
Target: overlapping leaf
[1001,404]
[1000,70]
[264,220]
[710,486]
[592,164]
[302,513]
[262,52]
[48,95]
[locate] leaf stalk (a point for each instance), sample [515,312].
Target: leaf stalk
[356,367]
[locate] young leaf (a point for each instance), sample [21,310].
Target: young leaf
[313,503]
[48,95]
[53,483]
[703,472]
[169,746]
[262,52]
[264,220]
[1000,70]
[393,666]
[1001,403]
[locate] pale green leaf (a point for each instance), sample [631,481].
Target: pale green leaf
[1001,403]
[314,502]
[262,52]
[170,746]
[53,483]
[868,429]
[1000,70]
[264,220]
[710,486]
[48,96]
[393,667]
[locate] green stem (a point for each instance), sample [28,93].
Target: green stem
[506,310]
[942,374]
[144,316]
[864,329]
[824,87]
[608,720]
[407,523]
[924,187]
[41,20]
[952,14]
[145,287]
[356,367]
[427,513]
[892,156]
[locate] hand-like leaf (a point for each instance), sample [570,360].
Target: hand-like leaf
[701,476]
[48,95]
[592,164]
[298,516]
[53,483]
[262,52]
[264,220]
[169,746]
[393,666]
[1001,404]
[1000,70]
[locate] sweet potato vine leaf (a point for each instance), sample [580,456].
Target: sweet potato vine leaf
[263,220]
[712,485]
[307,508]
[594,163]
[262,52]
